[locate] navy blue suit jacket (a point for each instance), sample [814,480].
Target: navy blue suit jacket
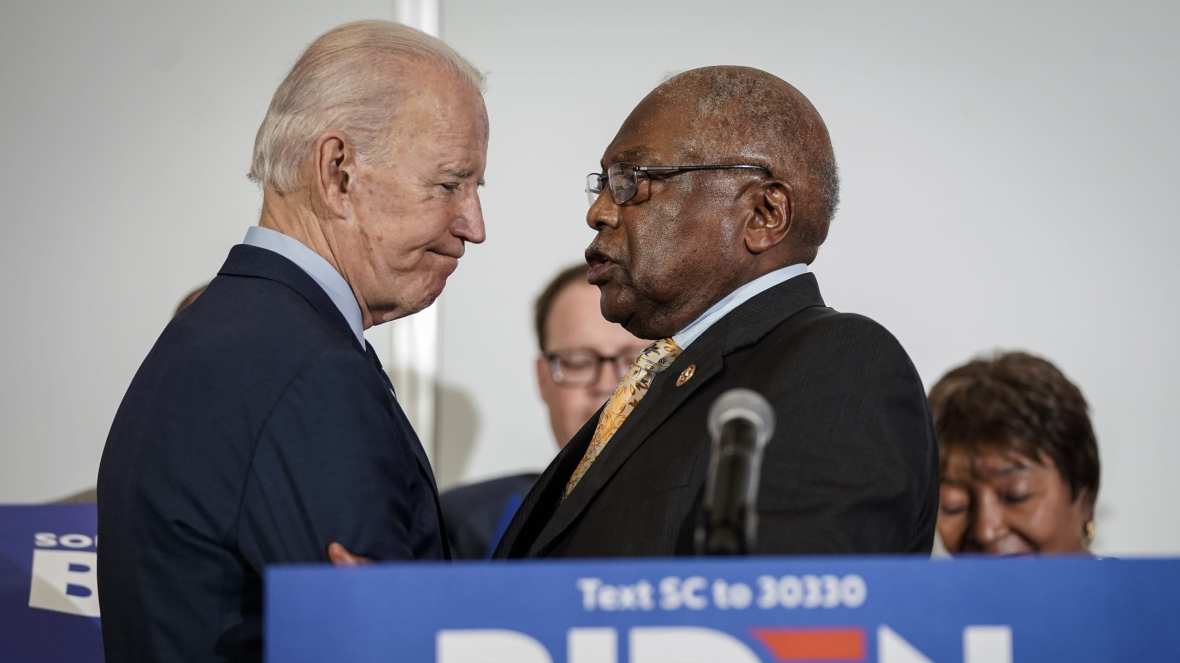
[256,432]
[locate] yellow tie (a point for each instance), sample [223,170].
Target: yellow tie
[631,390]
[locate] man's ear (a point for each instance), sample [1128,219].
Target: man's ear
[771,215]
[335,163]
[544,378]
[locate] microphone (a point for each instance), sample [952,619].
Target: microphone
[740,423]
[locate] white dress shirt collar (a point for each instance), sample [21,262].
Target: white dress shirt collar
[693,331]
[320,271]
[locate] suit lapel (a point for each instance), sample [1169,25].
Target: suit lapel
[415,443]
[538,506]
[660,402]
[741,327]
[423,463]
[400,416]
[411,437]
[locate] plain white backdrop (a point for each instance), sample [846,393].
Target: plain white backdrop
[128,127]
[1008,182]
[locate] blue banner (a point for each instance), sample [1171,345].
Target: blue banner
[48,584]
[740,611]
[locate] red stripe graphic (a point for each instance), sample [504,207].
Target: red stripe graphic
[813,644]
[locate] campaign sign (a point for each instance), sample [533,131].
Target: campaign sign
[747,610]
[48,584]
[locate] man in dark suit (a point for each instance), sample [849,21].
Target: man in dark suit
[715,197]
[261,427]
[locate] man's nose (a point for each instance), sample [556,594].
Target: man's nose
[604,212]
[469,225]
[608,379]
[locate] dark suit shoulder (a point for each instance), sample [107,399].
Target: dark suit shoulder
[474,513]
[827,325]
[850,343]
[268,317]
[247,339]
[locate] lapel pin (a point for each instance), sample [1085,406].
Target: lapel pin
[686,374]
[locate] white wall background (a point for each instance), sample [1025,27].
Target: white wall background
[1008,182]
[127,129]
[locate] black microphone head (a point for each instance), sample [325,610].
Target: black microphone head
[742,404]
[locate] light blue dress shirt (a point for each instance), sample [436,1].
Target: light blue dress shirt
[320,271]
[693,331]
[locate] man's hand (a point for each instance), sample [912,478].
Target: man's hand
[340,556]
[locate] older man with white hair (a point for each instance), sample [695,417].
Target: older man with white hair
[261,427]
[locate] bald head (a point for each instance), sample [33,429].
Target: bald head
[729,112]
[680,241]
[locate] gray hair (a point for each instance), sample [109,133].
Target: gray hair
[339,83]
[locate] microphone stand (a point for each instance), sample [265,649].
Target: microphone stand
[728,525]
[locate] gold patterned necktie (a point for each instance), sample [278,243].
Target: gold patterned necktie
[631,390]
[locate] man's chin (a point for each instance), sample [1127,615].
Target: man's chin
[404,306]
[432,291]
[427,301]
[614,303]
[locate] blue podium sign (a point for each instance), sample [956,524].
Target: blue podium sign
[734,611]
[48,584]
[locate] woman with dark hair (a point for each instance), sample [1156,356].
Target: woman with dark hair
[1019,461]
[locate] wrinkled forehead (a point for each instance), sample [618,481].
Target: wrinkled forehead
[667,128]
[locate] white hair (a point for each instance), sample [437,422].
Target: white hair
[344,81]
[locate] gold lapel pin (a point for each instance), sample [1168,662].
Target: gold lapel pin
[686,374]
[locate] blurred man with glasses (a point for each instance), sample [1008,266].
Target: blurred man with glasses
[581,359]
[710,205]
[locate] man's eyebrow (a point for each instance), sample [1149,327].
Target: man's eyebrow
[629,156]
[461,173]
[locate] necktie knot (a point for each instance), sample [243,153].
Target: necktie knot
[658,356]
[655,358]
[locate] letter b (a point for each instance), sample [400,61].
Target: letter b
[65,581]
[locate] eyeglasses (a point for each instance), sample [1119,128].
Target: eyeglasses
[623,178]
[582,367]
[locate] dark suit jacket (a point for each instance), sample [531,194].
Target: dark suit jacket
[257,431]
[852,466]
[478,513]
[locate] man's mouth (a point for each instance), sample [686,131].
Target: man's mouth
[598,266]
[450,253]
[452,262]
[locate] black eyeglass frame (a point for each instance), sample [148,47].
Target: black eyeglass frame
[596,183]
[553,359]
